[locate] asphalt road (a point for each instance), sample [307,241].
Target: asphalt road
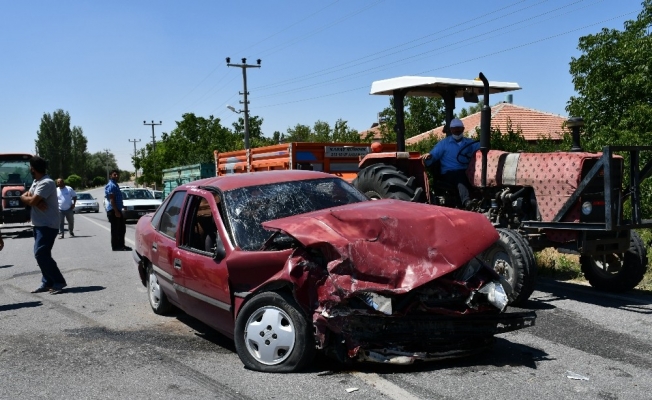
[100,339]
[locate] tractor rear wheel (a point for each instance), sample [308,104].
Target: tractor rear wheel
[617,272]
[383,181]
[512,257]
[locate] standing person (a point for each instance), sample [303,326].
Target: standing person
[113,213]
[455,153]
[42,197]
[67,199]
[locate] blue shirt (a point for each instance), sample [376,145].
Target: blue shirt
[112,188]
[447,150]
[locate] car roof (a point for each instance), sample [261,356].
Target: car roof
[234,181]
[431,86]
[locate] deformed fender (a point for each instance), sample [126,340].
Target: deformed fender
[140,264]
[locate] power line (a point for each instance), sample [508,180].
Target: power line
[387,65]
[463,61]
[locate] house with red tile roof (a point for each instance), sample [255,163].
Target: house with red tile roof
[532,124]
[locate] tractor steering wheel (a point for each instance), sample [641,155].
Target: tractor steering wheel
[465,158]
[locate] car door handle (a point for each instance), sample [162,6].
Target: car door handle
[177,263]
[154,246]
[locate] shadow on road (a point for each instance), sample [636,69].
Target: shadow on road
[503,353]
[206,332]
[84,289]
[16,306]
[634,300]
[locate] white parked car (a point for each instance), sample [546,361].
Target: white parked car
[86,203]
[137,202]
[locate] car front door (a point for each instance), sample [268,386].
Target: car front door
[204,284]
[164,246]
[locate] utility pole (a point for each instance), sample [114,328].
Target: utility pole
[136,173]
[244,67]
[153,141]
[107,165]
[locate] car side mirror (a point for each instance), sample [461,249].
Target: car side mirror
[220,251]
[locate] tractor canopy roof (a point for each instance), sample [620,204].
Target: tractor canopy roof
[436,87]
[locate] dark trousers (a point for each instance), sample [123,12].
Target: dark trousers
[44,238]
[118,230]
[459,179]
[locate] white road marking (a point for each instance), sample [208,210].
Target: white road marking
[131,242]
[384,386]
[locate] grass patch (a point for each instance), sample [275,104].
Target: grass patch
[566,267]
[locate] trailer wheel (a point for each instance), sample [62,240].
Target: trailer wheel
[617,272]
[382,181]
[512,257]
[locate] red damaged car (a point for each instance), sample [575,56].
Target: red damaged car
[288,263]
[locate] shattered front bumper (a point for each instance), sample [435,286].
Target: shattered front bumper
[426,337]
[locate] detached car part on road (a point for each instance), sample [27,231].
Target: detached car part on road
[290,262]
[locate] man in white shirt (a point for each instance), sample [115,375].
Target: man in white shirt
[67,200]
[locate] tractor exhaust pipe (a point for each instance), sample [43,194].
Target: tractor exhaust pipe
[575,123]
[485,129]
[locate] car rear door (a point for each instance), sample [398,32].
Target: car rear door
[204,284]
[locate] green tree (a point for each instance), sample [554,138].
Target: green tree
[256,138]
[54,142]
[300,133]
[79,152]
[421,115]
[614,88]
[613,84]
[343,134]
[99,164]
[74,181]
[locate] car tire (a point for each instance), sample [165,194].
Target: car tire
[157,298]
[629,267]
[512,257]
[272,334]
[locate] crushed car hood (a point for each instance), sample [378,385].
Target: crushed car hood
[389,245]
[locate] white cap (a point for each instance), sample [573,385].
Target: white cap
[456,123]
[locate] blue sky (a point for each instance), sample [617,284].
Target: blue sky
[114,64]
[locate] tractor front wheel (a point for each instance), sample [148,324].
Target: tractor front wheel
[512,257]
[617,272]
[383,181]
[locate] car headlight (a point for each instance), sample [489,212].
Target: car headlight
[17,193]
[496,294]
[587,207]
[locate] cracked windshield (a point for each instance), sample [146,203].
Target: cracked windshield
[249,207]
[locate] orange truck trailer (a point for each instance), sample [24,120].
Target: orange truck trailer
[340,159]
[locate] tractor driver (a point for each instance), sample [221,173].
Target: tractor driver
[454,152]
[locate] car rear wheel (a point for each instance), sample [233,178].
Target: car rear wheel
[272,334]
[512,257]
[157,298]
[617,272]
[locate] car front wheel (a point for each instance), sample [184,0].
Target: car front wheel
[272,334]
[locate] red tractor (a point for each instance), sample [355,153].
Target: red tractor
[15,179]
[571,201]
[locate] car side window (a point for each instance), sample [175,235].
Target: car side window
[170,216]
[201,233]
